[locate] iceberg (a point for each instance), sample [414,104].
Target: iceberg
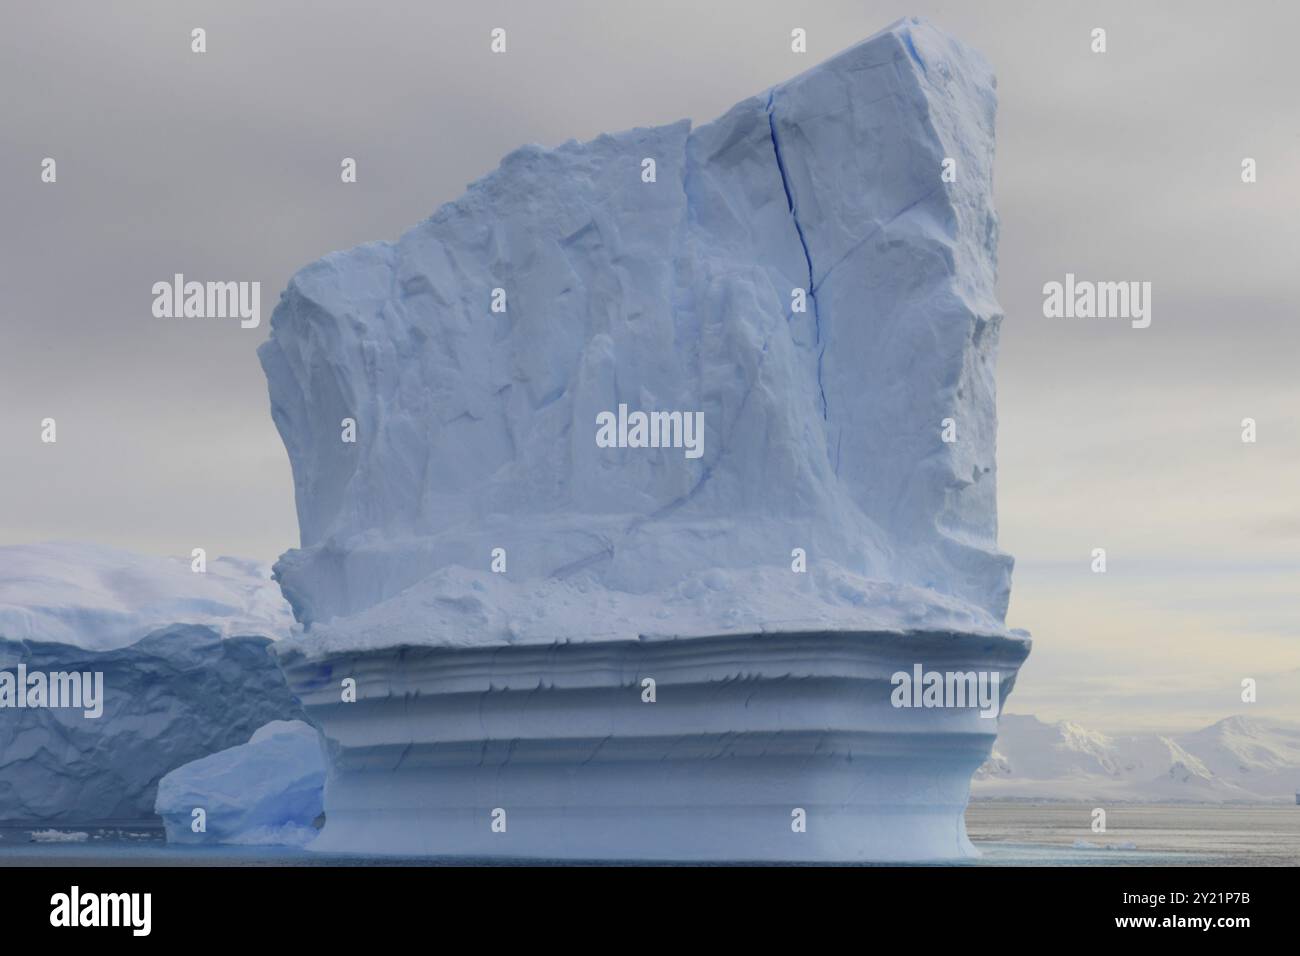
[626,481]
[264,792]
[185,664]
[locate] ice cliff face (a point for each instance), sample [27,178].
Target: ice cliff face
[798,271]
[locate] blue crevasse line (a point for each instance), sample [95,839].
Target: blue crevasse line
[911,48]
[803,241]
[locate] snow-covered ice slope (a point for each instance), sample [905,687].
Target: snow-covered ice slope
[496,584]
[100,598]
[476,429]
[186,671]
[266,791]
[1238,759]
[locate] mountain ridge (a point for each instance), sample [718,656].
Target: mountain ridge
[1236,759]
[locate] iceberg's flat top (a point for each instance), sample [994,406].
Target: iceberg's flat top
[798,277]
[100,598]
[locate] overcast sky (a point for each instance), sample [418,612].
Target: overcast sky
[1124,165]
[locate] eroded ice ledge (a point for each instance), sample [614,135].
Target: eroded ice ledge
[561,747]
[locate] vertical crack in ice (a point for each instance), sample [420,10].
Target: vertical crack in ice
[803,241]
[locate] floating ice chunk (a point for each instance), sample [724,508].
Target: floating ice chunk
[59,836]
[267,791]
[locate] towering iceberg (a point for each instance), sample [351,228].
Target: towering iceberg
[802,279]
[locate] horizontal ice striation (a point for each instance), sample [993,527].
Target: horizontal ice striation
[560,745]
[475,429]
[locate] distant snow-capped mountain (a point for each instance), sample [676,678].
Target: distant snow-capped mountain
[1236,759]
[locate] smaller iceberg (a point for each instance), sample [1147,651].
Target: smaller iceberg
[170,665]
[266,792]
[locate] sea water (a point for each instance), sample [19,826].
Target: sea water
[1007,833]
